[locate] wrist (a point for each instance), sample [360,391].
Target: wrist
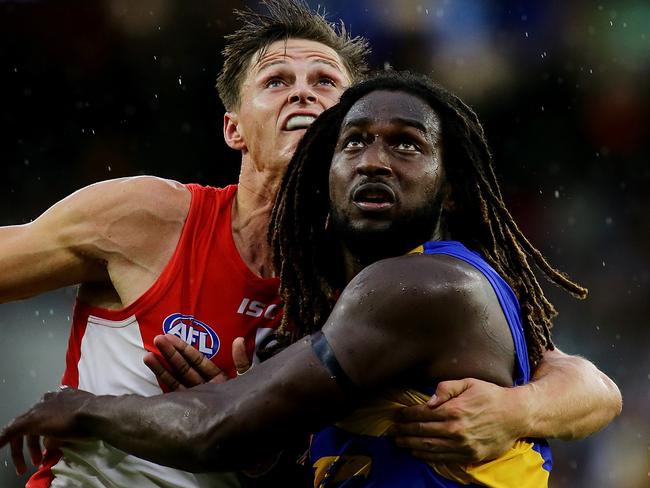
[523,406]
[93,417]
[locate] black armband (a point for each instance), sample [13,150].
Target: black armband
[326,356]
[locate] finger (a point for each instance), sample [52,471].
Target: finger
[428,444]
[180,368]
[447,390]
[12,430]
[192,366]
[421,429]
[164,376]
[16,445]
[34,448]
[52,443]
[442,456]
[419,413]
[220,378]
[239,356]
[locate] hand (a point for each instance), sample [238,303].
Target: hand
[466,421]
[53,416]
[188,367]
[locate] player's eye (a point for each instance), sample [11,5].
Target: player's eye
[354,142]
[274,83]
[325,81]
[407,146]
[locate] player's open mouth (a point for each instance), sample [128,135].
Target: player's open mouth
[297,122]
[373,197]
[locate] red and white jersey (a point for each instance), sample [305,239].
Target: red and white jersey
[207,296]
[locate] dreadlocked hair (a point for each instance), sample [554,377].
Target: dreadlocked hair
[309,263]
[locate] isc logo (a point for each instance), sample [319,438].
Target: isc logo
[257,309]
[194,332]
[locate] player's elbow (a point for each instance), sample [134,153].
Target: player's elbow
[611,402]
[615,404]
[610,405]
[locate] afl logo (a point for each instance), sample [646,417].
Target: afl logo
[194,332]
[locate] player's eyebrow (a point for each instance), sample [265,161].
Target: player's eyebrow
[269,64]
[331,64]
[360,122]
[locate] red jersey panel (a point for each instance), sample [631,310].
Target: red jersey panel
[206,295]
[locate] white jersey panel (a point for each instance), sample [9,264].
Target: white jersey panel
[99,465]
[111,364]
[118,344]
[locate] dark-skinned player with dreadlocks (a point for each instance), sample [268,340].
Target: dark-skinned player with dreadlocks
[401,267]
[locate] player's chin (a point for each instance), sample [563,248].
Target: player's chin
[372,227]
[295,135]
[291,146]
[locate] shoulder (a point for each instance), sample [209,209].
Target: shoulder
[146,192]
[416,295]
[118,211]
[421,277]
[128,198]
[435,313]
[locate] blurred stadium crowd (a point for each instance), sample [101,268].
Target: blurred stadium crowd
[97,90]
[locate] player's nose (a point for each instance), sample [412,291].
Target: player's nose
[302,93]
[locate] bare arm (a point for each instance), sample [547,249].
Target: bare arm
[291,394]
[206,428]
[42,256]
[569,398]
[470,420]
[97,234]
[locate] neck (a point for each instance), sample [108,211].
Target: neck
[251,213]
[360,253]
[353,263]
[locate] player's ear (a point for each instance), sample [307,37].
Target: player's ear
[231,132]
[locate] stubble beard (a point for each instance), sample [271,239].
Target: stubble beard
[370,242]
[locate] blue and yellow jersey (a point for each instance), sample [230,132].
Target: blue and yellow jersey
[356,452]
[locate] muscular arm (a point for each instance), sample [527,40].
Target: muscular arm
[569,398]
[41,256]
[208,427]
[471,420]
[95,235]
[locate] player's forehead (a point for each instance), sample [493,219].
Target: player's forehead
[390,107]
[287,53]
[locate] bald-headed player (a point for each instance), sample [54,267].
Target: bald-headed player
[403,263]
[149,254]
